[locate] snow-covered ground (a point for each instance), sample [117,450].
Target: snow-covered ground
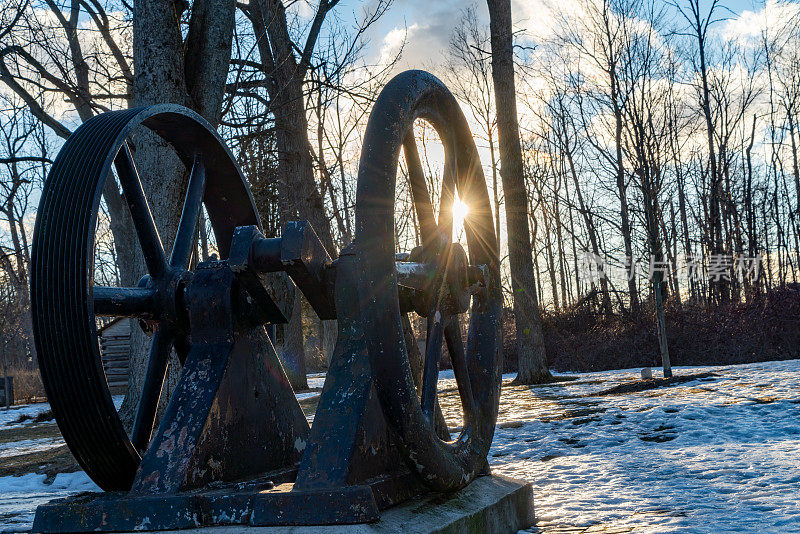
[27,446]
[717,455]
[306,395]
[712,455]
[315,380]
[19,496]
[9,418]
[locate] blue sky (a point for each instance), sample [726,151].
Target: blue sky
[429,24]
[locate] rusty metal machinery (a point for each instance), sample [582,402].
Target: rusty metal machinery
[233,445]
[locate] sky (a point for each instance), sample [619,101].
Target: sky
[428,25]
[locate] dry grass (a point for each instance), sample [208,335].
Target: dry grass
[49,462]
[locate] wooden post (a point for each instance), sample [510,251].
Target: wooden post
[6,382]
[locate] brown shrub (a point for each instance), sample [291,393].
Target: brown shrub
[579,340]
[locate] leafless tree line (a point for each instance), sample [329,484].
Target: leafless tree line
[645,133]
[654,134]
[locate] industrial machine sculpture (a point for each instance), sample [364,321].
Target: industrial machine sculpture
[233,445]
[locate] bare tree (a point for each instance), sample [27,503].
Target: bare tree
[599,39]
[561,104]
[530,340]
[86,66]
[646,141]
[699,23]
[23,163]
[468,73]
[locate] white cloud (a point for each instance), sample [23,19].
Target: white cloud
[539,19]
[750,25]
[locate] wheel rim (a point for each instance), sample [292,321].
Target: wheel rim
[411,95]
[62,263]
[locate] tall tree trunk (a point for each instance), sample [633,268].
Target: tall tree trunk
[530,341]
[672,253]
[752,237]
[560,246]
[687,241]
[548,243]
[6,390]
[573,238]
[495,189]
[625,223]
[793,147]
[591,230]
[300,197]
[17,274]
[768,257]
[190,73]
[656,248]
[715,223]
[661,323]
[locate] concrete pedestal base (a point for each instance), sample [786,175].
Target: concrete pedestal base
[491,504]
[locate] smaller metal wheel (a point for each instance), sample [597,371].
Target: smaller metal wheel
[455,277]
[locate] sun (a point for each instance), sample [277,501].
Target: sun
[460,212]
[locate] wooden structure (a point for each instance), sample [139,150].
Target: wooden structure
[115,347]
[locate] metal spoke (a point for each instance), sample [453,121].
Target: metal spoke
[192,204]
[419,191]
[430,372]
[151,390]
[124,302]
[455,346]
[445,223]
[146,229]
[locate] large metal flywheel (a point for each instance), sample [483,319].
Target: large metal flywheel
[65,301]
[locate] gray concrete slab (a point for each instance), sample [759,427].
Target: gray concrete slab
[491,504]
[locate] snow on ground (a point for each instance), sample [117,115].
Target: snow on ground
[9,417]
[717,454]
[714,455]
[27,446]
[306,395]
[315,380]
[19,496]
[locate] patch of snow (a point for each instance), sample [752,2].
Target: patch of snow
[9,417]
[27,446]
[315,380]
[446,374]
[711,455]
[20,495]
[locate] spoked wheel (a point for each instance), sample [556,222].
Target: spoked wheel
[65,300]
[444,465]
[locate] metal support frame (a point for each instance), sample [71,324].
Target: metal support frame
[233,416]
